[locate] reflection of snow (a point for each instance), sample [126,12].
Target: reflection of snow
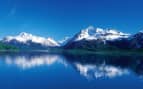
[100,71]
[26,62]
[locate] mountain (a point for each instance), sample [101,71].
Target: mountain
[64,41]
[137,40]
[90,39]
[98,38]
[27,40]
[92,33]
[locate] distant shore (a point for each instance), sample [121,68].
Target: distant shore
[79,51]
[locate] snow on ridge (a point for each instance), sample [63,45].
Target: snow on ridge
[92,33]
[24,37]
[64,41]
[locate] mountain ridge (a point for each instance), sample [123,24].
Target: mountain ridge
[27,40]
[90,38]
[96,38]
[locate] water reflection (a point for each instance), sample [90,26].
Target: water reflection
[101,66]
[91,71]
[30,60]
[89,66]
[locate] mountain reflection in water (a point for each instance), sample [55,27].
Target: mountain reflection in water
[97,66]
[89,66]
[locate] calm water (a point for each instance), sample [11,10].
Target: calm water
[53,71]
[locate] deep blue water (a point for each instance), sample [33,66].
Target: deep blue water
[66,71]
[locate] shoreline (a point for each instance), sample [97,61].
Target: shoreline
[78,52]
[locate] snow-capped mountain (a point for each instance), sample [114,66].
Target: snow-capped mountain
[92,33]
[90,38]
[28,39]
[98,38]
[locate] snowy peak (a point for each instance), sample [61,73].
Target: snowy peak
[64,41]
[92,33]
[24,34]
[27,37]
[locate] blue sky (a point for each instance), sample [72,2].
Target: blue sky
[60,18]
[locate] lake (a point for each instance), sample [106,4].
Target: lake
[68,71]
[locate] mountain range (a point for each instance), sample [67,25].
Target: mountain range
[90,39]
[27,40]
[97,38]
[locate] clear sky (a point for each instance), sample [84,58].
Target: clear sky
[60,18]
